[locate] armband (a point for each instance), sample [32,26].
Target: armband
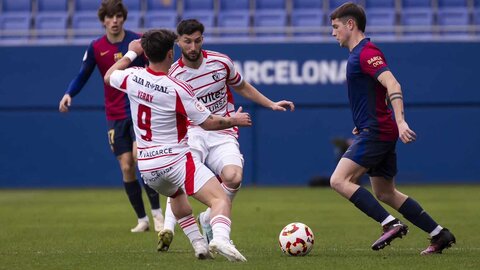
[131,55]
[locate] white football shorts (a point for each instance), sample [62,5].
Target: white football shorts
[214,149]
[188,173]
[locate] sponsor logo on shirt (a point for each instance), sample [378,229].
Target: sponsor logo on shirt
[153,153]
[375,61]
[105,52]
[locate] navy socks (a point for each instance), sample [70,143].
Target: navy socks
[134,192]
[414,213]
[365,201]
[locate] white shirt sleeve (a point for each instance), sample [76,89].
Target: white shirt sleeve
[195,110]
[118,79]
[234,78]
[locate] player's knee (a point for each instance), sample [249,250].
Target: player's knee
[128,169]
[336,182]
[232,178]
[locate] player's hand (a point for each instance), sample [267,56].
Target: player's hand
[355,131]
[405,133]
[136,46]
[241,118]
[283,105]
[65,103]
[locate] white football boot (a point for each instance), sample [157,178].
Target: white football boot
[142,226]
[227,250]
[201,248]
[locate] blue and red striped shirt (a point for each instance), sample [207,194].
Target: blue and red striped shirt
[371,114]
[104,54]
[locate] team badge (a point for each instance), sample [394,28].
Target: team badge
[117,56]
[199,106]
[218,76]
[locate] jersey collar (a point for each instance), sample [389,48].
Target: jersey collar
[156,73]
[361,44]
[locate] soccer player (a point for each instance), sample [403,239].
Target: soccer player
[160,105]
[370,84]
[104,52]
[212,75]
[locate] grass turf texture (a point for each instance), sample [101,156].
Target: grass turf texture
[89,229]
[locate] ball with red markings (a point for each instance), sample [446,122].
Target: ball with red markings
[296,239]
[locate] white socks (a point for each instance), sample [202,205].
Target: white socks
[190,228]
[221,227]
[436,231]
[389,219]
[170,219]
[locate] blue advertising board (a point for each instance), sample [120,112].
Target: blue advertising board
[43,148]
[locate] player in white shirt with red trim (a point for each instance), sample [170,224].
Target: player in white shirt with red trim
[160,106]
[212,75]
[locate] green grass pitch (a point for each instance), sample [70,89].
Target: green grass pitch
[89,229]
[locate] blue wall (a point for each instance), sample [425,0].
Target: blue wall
[43,148]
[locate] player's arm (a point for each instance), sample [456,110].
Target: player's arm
[77,84]
[216,122]
[248,91]
[394,93]
[201,116]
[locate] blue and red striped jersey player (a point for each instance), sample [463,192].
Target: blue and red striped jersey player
[104,52]
[373,151]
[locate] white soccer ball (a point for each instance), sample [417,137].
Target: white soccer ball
[296,239]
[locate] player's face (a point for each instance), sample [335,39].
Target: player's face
[114,24]
[191,46]
[340,31]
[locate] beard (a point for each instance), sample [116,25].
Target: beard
[190,57]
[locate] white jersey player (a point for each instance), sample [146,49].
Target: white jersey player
[160,106]
[212,75]
[211,83]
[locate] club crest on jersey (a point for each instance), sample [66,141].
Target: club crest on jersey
[117,56]
[218,76]
[200,107]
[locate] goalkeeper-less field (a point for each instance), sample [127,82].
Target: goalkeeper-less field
[90,229]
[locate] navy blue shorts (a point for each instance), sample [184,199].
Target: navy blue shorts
[379,157]
[121,136]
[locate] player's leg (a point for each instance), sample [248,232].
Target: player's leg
[225,159]
[183,212]
[152,195]
[196,141]
[382,179]
[170,219]
[168,181]
[133,190]
[212,195]
[121,144]
[363,154]
[386,192]
[344,181]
